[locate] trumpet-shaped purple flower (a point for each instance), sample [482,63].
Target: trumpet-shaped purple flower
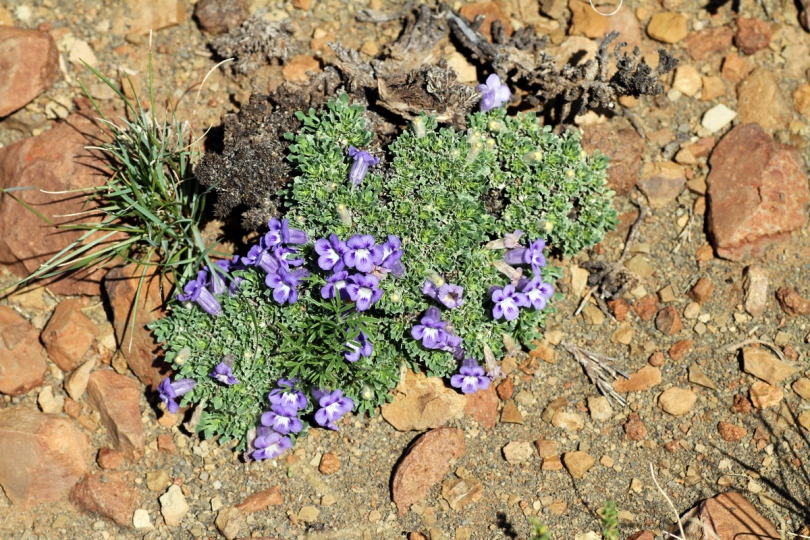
[431,331]
[333,406]
[359,253]
[363,290]
[493,93]
[223,373]
[537,292]
[510,240]
[169,391]
[196,291]
[359,346]
[471,377]
[508,302]
[452,344]
[286,256]
[269,444]
[362,161]
[282,419]
[331,253]
[430,289]
[533,255]
[285,284]
[389,255]
[264,258]
[236,281]
[335,284]
[287,396]
[217,282]
[450,295]
[281,233]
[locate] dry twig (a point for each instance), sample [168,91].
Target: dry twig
[600,371]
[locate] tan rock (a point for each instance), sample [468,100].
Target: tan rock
[802,387]
[462,492]
[687,80]
[763,365]
[661,182]
[76,383]
[705,43]
[736,68]
[297,69]
[697,376]
[730,432]
[422,403]
[22,364]
[792,302]
[68,334]
[546,448]
[229,522]
[510,413]
[491,12]
[755,285]
[144,16]
[41,456]
[677,401]
[585,21]
[667,26]
[110,493]
[713,88]
[726,516]
[116,397]
[567,421]
[801,100]
[760,100]
[173,506]
[600,408]
[764,395]
[804,420]
[518,451]
[426,462]
[643,379]
[261,500]
[701,290]
[578,463]
[330,463]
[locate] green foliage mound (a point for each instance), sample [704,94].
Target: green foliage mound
[451,197]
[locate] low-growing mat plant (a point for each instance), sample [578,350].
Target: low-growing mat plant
[429,259]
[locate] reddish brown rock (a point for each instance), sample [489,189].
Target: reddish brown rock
[506,389]
[643,379]
[166,444]
[741,404]
[646,307]
[642,535]
[41,456]
[117,399]
[758,193]
[53,161]
[657,359]
[634,428]
[753,35]
[68,335]
[137,345]
[730,432]
[727,516]
[620,308]
[330,463]
[623,147]
[702,44]
[298,68]
[219,16]
[110,493]
[702,290]
[261,500]
[482,406]
[427,461]
[29,62]
[72,408]
[761,100]
[109,458]
[22,363]
[668,321]
[491,12]
[680,349]
[792,302]
[735,68]
[661,182]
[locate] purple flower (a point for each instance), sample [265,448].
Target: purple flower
[333,406]
[331,253]
[280,233]
[169,391]
[450,295]
[217,284]
[362,161]
[287,396]
[284,254]
[282,419]
[359,346]
[196,292]
[359,253]
[363,291]
[510,240]
[453,344]
[389,255]
[471,378]
[262,257]
[236,281]
[431,331]
[507,302]
[335,284]
[537,292]
[533,255]
[430,289]
[269,444]
[284,284]
[222,372]
[493,93]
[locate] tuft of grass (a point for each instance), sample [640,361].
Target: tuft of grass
[539,531]
[151,206]
[609,514]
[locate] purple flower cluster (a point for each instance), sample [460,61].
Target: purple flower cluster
[360,253]
[527,292]
[333,405]
[209,284]
[286,404]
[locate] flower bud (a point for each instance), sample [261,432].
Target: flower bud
[490,143]
[496,126]
[345,215]
[435,278]
[533,157]
[366,392]
[475,149]
[182,356]
[419,127]
[569,174]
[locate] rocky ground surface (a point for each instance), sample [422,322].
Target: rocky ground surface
[713,330]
